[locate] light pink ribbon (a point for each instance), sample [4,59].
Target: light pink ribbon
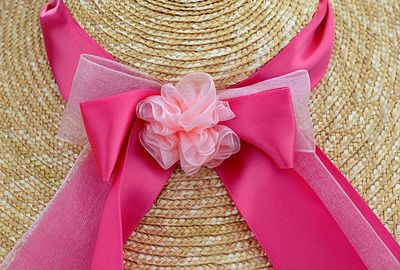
[302,210]
[183,125]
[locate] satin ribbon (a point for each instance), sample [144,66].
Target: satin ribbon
[278,152]
[113,131]
[296,228]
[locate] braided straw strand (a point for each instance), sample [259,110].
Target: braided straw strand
[194,224]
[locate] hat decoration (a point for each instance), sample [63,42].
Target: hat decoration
[183,125]
[258,136]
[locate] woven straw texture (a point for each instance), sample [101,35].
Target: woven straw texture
[194,223]
[169,39]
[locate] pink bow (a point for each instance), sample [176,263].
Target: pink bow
[304,212]
[276,173]
[114,121]
[114,99]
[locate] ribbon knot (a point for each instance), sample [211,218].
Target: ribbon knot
[182,124]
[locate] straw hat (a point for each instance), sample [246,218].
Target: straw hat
[194,223]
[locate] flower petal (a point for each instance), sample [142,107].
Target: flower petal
[182,124]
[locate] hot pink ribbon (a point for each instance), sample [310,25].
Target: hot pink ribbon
[305,217]
[275,153]
[265,120]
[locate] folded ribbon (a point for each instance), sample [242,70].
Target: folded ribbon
[272,121]
[301,209]
[108,95]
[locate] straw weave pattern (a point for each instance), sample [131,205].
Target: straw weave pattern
[194,223]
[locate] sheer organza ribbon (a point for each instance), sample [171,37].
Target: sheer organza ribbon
[301,209]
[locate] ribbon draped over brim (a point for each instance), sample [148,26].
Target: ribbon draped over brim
[301,209]
[277,151]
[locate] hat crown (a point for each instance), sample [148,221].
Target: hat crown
[168,39]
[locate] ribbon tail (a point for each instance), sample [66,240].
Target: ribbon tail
[64,236]
[302,217]
[136,186]
[88,220]
[372,249]
[362,206]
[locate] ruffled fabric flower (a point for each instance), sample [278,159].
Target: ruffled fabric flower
[182,124]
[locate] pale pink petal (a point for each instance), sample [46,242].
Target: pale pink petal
[182,124]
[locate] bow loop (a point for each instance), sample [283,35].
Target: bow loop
[108,122]
[104,94]
[267,121]
[273,116]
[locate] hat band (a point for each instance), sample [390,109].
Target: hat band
[290,236]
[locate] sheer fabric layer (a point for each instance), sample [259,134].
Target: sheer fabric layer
[288,246]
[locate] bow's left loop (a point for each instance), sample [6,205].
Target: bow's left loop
[95,77]
[108,122]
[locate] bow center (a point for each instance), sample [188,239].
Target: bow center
[182,124]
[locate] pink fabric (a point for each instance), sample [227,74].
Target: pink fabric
[116,112]
[65,234]
[361,205]
[309,50]
[98,116]
[65,41]
[295,223]
[276,142]
[182,124]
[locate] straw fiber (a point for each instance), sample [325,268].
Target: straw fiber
[194,223]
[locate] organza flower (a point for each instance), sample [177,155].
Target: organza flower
[182,125]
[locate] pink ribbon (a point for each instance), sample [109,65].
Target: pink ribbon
[113,129]
[275,154]
[301,209]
